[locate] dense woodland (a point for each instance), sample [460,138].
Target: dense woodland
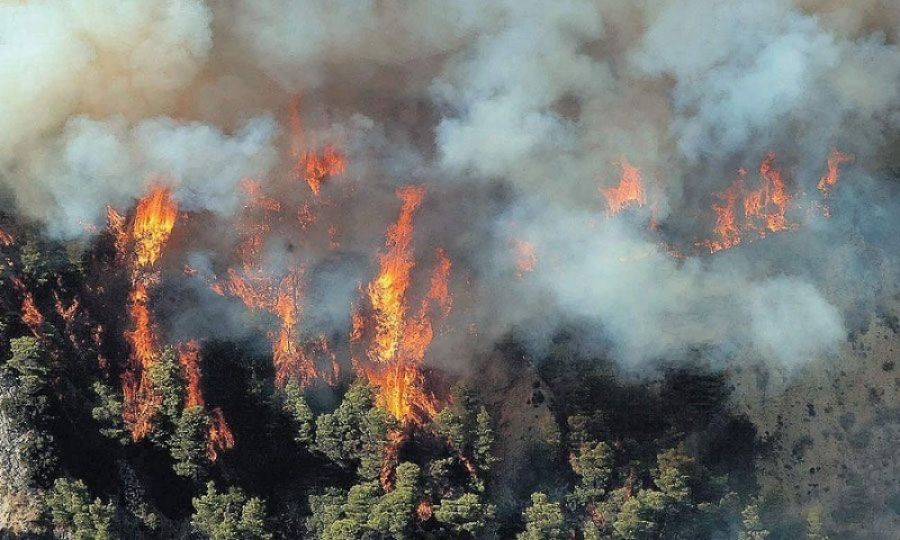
[660,458]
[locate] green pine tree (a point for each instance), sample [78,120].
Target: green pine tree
[593,463]
[466,516]
[303,418]
[324,510]
[28,374]
[229,516]
[484,441]
[543,520]
[188,444]
[393,514]
[73,513]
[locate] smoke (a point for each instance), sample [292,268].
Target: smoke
[514,115]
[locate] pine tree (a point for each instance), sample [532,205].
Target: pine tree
[393,514]
[465,516]
[376,428]
[302,416]
[324,510]
[73,513]
[229,516]
[188,444]
[484,441]
[594,464]
[638,517]
[361,500]
[166,379]
[27,404]
[675,474]
[108,413]
[543,520]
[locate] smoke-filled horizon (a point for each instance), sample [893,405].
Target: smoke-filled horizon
[527,124]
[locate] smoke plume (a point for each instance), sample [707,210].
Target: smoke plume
[516,117]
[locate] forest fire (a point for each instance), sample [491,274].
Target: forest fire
[629,190]
[153,222]
[320,166]
[399,340]
[189,358]
[6,239]
[826,184]
[764,208]
[218,436]
[309,165]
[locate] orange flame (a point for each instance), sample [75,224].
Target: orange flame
[318,167]
[5,238]
[259,291]
[31,315]
[388,291]
[153,222]
[399,339]
[826,184]
[386,476]
[115,224]
[313,167]
[726,227]
[835,159]
[764,208]
[630,189]
[140,403]
[219,437]
[189,358]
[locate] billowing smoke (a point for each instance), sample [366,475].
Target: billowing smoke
[514,115]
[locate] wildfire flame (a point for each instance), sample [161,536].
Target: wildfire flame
[311,166]
[189,358]
[630,189]
[31,315]
[153,222]
[764,208]
[400,338]
[219,437]
[826,184]
[6,239]
[319,166]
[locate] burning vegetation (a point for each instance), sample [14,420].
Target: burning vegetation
[515,270]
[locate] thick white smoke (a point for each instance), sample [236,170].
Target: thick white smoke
[527,105]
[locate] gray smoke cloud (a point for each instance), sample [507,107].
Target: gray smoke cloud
[514,114]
